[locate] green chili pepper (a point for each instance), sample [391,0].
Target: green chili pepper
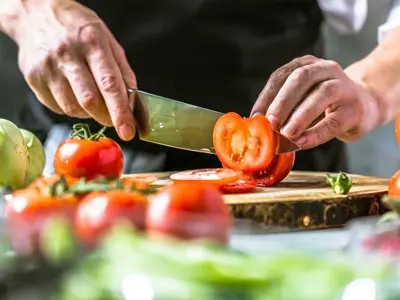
[340,184]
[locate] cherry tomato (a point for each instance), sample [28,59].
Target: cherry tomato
[89,156]
[243,185]
[394,186]
[99,211]
[277,170]
[244,144]
[397,128]
[189,210]
[27,211]
[217,177]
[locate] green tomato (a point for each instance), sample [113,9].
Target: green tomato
[14,157]
[37,156]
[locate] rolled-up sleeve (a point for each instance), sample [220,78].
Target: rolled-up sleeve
[392,22]
[345,16]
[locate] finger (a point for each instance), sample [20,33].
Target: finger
[109,79]
[127,73]
[85,89]
[332,126]
[298,85]
[274,84]
[45,97]
[42,92]
[65,97]
[323,96]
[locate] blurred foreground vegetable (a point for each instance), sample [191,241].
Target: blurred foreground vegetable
[37,157]
[129,266]
[14,157]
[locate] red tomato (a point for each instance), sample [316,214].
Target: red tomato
[190,210]
[99,211]
[397,128]
[217,177]
[27,211]
[244,144]
[276,171]
[243,185]
[89,159]
[394,186]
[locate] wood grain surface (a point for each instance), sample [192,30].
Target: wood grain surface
[305,201]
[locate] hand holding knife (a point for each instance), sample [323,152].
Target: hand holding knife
[180,125]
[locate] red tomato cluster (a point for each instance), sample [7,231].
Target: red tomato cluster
[191,208]
[187,210]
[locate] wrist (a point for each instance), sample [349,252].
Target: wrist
[15,15]
[376,112]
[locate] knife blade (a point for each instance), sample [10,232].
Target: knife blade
[181,125]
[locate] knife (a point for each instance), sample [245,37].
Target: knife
[180,125]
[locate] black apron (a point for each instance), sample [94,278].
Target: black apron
[213,53]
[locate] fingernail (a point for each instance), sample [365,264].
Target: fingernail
[126,132]
[289,130]
[274,121]
[301,141]
[256,114]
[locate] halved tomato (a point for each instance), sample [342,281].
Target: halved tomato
[244,144]
[242,185]
[394,186]
[277,170]
[397,128]
[217,177]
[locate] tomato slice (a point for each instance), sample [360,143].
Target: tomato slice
[277,170]
[217,177]
[141,182]
[244,144]
[243,185]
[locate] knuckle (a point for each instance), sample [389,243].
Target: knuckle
[71,110]
[119,116]
[329,88]
[333,65]
[90,34]
[109,84]
[62,49]
[302,74]
[333,125]
[88,100]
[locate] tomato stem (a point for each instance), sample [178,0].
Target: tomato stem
[59,187]
[82,131]
[340,184]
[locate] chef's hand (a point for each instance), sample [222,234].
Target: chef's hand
[74,65]
[312,101]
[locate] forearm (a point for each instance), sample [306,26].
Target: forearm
[379,74]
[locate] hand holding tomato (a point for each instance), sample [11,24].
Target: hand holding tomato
[88,156]
[299,93]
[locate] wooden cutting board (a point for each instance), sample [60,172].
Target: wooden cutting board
[305,201]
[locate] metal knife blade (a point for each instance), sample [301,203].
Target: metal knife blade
[180,125]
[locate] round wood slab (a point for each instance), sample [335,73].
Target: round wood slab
[305,201]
